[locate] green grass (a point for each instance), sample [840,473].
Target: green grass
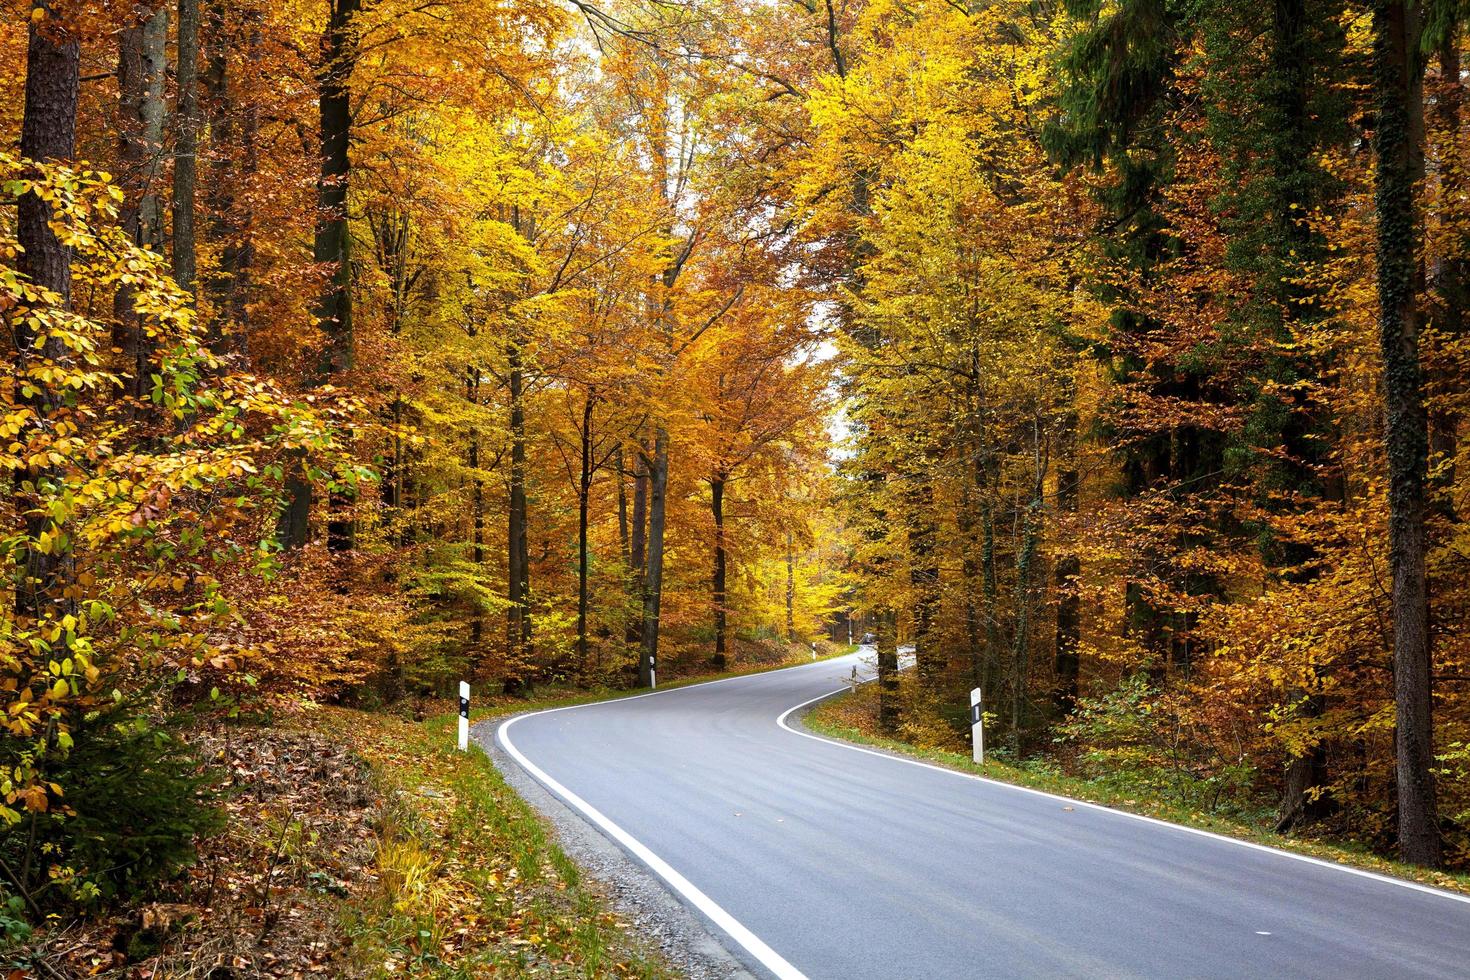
[470,881]
[834,718]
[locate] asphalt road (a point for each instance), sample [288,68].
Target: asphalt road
[817,859]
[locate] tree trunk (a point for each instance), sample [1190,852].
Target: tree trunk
[584,497]
[622,505]
[970,573]
[989,594]
[231,169]
[887,641]
[186,148]
[332,251]
[1021,653]
[477,542]
[638,542]
[142,70]
[1302,799]
[790,587]
[1398,143]
[653,580]
[48,134]
[1068,568]
[717,507]
[1292,175]
[1452,267]
[924,577]
[518,615]
[333,246]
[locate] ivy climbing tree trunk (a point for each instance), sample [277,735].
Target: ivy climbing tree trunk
[1398,145]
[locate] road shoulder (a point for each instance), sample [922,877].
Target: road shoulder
[834,719]
[635,893]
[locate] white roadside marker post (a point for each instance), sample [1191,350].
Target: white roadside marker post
[977,726]
[464,716]
[652,672]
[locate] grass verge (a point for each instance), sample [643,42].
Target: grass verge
[852,717]
[469,882]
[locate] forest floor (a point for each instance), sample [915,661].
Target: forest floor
[853,717]
[363,844]
[358,844]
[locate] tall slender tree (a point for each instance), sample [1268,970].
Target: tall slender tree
[1398,143]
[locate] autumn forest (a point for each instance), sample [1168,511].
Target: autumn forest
[1110,357]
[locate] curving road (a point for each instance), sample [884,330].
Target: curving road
[812,858]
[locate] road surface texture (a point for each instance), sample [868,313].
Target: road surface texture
[818,859]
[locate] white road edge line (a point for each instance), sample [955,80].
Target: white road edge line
[1414,885]
[731,926]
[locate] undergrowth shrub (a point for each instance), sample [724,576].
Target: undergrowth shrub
[136,798]
[1132,741]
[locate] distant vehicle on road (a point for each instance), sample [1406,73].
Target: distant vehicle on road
[868,638]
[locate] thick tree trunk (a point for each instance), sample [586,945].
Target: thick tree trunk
[142,70]
[235,162]
[333,246]
[1398,143]
[332,251]
[48,134]
[186,147]
[653,580]
[717,508]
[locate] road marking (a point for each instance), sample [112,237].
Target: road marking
[732,927]
[1413,885]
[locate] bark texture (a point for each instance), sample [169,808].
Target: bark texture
[1398,144]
